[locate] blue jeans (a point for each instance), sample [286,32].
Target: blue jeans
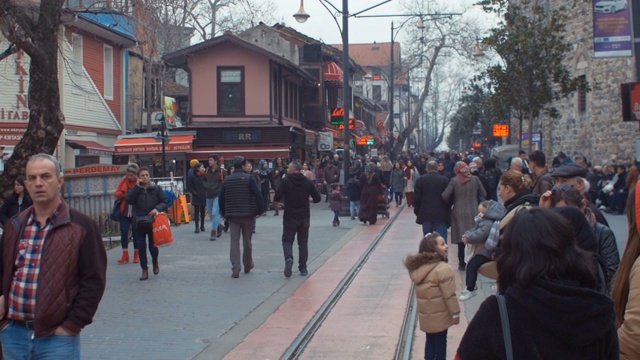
[125,225]
[440,228]
[335,216]
[17,344]
[436,346]
[354,208]
[213,207]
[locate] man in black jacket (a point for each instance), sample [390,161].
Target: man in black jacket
[431,211]
[241,203]
[295,190]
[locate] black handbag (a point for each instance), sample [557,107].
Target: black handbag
[115,211]
[144,223]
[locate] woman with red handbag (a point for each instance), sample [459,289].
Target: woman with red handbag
[149,200]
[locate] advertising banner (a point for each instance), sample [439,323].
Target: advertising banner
[325,141]
[611,28]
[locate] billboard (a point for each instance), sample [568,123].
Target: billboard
[611,28]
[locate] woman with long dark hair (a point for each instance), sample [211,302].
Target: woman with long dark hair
[553,308]
[17,202]
[626,285]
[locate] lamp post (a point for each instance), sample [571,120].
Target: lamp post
[163,136]
[301,16]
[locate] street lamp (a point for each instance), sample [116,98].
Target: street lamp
[163,135]
[301,16]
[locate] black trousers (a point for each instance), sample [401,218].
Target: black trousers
[472,270]
[291,228]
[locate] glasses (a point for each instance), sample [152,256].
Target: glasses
[563,188]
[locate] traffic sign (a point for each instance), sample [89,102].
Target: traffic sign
[500,130]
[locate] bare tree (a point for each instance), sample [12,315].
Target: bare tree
[35,30]
[449,36]
[212,17]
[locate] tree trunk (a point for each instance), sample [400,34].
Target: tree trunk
[46,120]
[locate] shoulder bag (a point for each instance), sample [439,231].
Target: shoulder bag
[115,211]
[506,329]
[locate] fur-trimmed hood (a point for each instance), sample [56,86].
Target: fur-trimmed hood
[420,265]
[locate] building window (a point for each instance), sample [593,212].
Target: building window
[77,63]
[230,91]
[108,72]
[377,92]
[287,100]
[582,97]
[275,94]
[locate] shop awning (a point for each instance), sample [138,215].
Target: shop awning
[253,153]
[333,74]
[152,145]
[88,147]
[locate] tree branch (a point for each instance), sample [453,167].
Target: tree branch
[12,49]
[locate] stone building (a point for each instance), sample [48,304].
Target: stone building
[591,123]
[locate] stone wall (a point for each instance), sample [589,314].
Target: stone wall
[599,133]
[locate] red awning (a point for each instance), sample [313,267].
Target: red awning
[333,74]
[253,153]
[90,147]
[150,145]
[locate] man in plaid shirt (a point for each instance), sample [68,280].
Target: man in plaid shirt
[53,271]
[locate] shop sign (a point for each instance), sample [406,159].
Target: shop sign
[96,170]
[500,130]
[12,133]
[325,141]
[18,111]
[153,148]
[242,137]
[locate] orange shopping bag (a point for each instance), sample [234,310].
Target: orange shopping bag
[162,230]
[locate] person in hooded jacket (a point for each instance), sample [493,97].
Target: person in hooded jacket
[295,190]
[435,290]
[553,308]
[196,186]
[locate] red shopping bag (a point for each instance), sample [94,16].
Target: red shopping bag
[162,230]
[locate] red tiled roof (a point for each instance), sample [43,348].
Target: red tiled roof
[373,54]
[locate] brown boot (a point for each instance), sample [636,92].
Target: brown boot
[145,275]
[212,237]
[219,233]
[125,257]
[136,256]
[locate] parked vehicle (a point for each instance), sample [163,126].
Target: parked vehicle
[610,6]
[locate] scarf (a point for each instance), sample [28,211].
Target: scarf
[462,172]
[264,171]
[370,170]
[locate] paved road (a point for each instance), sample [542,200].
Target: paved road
[194,302]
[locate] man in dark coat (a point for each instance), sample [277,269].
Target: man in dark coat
[575,175]
[431,211]
[241,203]
[295,190]
[195,186]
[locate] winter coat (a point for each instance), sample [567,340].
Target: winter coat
[146,199]
[73,271]
[369,199]
[121,193]
[629,331]
[477,237]
[608,250]
[335,200]
[435,290]
[411,174]
[213,180]
[397,180]
[13,207]
[240,196]
[428,204]
[465,205]
[548,320]
[195,185]
[331,174]
[353,189]
[295,190]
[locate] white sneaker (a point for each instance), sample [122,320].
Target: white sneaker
[466,295]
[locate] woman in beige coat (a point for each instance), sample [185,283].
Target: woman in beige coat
[436,293]
[626,286]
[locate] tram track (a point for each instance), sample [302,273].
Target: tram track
[406,335]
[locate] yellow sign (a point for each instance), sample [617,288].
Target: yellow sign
[500,130]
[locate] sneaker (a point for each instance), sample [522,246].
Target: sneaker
[287,267]
[304,272]
[466,295]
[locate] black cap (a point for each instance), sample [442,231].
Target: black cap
[569,170]
[239,161]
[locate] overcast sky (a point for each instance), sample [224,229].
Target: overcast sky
[361,30]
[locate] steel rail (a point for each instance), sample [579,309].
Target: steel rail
[304,338]
[405,342]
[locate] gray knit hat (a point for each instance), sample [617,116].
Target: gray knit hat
[133,168]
